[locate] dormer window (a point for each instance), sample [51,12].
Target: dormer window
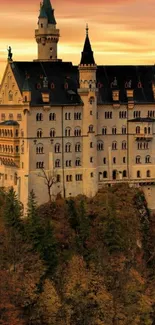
[10,96]
[38,85]
[66,85]
[52,85]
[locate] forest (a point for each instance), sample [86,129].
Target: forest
[78,261]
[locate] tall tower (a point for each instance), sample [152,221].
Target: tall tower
[47,36]
[88,94]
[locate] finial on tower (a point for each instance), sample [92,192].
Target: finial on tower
[87,29]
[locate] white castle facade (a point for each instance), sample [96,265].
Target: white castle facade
[89,126]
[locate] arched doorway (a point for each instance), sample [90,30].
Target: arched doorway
[114,174]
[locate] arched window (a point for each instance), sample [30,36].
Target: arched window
[67,132]
[91,129]
[100,146]
[123,129]
[52,133]
[67,116]
[68,147]
[78,162]
[124,145]
[147,159]
[137,129]
[105,175]
[104,131]
[91,100]
[57,148]
[138,173]
[52,117]
[148,173]
[149,130]
[77,132]
[114,130]
[40,148]
[77,147]
[39,117]
[124,173]
[39,133]
[138,159]
[145,130]
[114,145]
[57,163]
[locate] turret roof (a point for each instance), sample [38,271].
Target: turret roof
[87,54]
[49,11]
[42,12]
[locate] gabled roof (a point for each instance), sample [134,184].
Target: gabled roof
[63,82]
[59,79]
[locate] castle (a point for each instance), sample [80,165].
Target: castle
[89,126]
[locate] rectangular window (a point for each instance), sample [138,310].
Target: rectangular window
[6,176]
[104,161]
[91,144]
[91,112]
[3,117]
[10,116]
[19,117]
[68,178]
[108,115]
[114,160]
[91,175]
[58,178]
[124,160]
[78,177]
[91,159]
[123,114]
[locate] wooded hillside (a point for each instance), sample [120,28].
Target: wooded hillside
[78,262]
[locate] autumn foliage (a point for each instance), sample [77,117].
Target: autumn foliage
[78,261]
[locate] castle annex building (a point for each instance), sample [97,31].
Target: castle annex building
[88,125]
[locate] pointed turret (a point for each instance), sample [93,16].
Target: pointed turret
[49,12]
[47,35]
[87,54]
[42,13]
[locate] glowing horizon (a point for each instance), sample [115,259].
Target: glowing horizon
[121,31]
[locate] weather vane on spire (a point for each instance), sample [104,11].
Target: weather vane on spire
[87,29]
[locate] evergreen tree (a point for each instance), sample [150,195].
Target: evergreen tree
[13,210]
[41,234]
[72,214]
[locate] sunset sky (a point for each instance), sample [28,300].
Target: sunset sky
[121,31]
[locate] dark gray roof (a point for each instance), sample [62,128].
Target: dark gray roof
[142,119]
[9,122]
[63,74]
[87,54]
[49,11]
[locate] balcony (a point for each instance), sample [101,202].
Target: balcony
[143,136]
[136,181]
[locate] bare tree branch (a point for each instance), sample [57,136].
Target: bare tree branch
[49,180]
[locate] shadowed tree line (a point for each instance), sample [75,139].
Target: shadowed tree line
[78,261]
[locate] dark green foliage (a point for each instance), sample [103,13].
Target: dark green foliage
[13,210]
[40,233]
[113,234]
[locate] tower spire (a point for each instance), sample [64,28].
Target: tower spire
[87,54]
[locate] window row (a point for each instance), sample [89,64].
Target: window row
[114,130]
[52,116]
[151,114]
[113,160]
[68,163]
[78,177]
[148,173]
[52,133]
[9,149]
[114,174]
[142,145]
[11,117]
[147,159]
[8,133]
[146,130]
